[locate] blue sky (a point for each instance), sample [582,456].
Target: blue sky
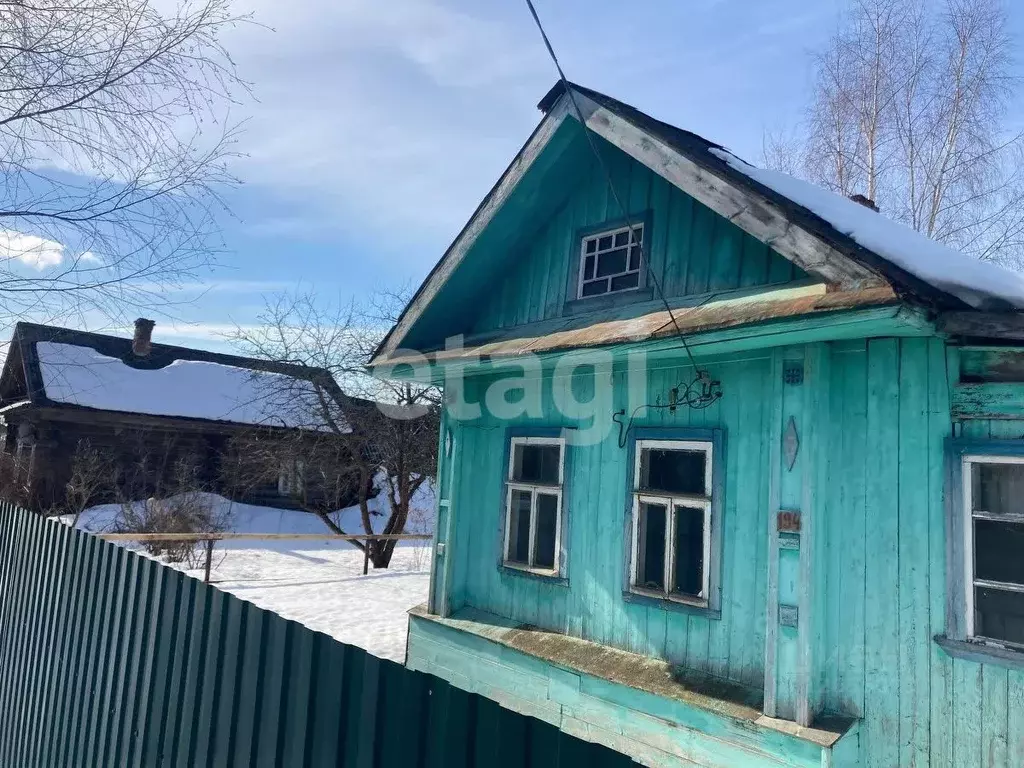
[377,127]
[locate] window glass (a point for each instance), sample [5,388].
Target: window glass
[651,547]
[610,261]
[544,538]
[673,471]
[536,464]
[999,614]
[998,488]
[1000,551]
[688,576]
[519,527]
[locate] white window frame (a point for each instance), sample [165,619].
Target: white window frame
[639,226]
[670,502]
[970,515]
[534,488]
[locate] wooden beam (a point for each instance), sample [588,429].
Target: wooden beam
[983,325]
[987,401]
[754,214]
[262,536]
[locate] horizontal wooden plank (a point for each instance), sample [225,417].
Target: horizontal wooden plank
[988,401]
[263,536]
[983,325]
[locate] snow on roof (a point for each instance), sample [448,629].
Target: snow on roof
[80,375]
[976,282]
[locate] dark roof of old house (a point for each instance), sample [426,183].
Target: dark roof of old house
[22,381]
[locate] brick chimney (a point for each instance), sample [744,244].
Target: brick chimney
[142,342]
[867,202]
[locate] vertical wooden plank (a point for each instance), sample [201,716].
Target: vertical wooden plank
[773,393]
[754,266]
[679,248]
[994,718]
[661,226]
[701,249]
[854,444]
[914,625]
[727,253]
[969,700]
[1015,718]
[941,683]
[880,744]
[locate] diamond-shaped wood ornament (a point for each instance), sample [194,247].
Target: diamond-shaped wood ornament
[790,444]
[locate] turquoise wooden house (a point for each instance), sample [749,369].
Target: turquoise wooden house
[732,468]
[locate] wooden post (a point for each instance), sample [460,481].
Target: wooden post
[209,560]
[366,557]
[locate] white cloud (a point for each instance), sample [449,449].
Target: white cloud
[31,250]
[88,257]
[394,116]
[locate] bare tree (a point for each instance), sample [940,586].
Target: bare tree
[371,436]
[909,109]
[93,475]
[113,149]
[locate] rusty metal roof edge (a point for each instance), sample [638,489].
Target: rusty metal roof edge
[730,314]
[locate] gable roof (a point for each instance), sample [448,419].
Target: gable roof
[63,368]
[844,244]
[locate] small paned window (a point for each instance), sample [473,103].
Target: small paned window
[610,261]
[994,530]
[533,504]
[672,503]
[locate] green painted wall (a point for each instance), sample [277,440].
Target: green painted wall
[591,606]
[692,250]
[880,566]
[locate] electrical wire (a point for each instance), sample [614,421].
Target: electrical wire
[611,186]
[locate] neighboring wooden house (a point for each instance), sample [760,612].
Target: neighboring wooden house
[144,407]
[822,564]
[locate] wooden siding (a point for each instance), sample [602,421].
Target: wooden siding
[886,576]
[692,250]
[880,569]
[591,605]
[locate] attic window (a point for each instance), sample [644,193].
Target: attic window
[610,261]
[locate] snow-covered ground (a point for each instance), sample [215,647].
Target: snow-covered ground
[316,583]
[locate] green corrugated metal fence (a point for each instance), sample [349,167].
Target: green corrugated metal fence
[108,658]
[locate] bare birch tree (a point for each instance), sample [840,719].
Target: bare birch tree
[909,109]
[113,149]
[375,436]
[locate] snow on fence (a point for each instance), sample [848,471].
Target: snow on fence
[111,658]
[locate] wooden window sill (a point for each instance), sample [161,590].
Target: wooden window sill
[981,653]
[654,600]
[548,577]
